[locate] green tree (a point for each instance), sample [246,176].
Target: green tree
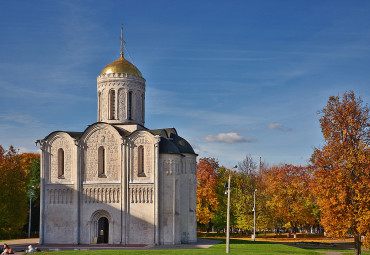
[247,180]
[242,196]
[13,196]
[341,168]
[34,180]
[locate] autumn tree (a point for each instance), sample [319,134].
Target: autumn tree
[341,168]
[219,219]
[245,182]
[289,199]
[264,213]
[14,169]
[207,200]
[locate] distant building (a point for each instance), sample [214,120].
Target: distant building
[118,182]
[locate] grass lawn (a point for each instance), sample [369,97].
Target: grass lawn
[342,252]
[236,247]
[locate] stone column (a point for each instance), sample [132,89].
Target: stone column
[156,190]
[42,192]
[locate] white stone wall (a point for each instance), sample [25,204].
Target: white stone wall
[146,140]
[191,173]
[177,188]
[61,218]
[100,200]
[122,84]
[65,142]
[104,136]
[60,195]
[141,216]
[128,201]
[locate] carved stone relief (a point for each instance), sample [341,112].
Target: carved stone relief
[148,158]
[122,104]
[171,166]
[141,193]
[102,137]
[59,195]
[101,194]
[104,102]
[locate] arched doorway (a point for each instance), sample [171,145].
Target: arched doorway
[103,230]
[101,223]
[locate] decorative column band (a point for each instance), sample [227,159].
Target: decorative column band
[101,195]
[141,194]
[59,196]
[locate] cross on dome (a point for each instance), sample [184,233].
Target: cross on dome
[122,41]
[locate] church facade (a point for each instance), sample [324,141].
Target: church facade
[118,182]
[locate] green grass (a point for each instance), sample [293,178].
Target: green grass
[236,247]
[363,252]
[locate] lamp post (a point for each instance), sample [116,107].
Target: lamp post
[228,216]
[254,215]
[228,213]
[29,217]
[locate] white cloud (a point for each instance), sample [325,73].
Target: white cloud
[231,137]
[277,126]
[23,119]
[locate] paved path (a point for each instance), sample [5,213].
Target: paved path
[20,245]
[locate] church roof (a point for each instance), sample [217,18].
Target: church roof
[171,142]
[182,144]
[121,131]
[74,135]
[121,65]
[167,146]
[166,131]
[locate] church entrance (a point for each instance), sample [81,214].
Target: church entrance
[103,230]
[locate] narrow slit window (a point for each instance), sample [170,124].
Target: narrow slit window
[129,105]
[143,107]
[140,164]
[99,106]
[61,163]
[112,101]
[101,162]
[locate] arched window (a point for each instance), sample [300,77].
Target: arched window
[112,104]
[140,163]
[61,163]
[143,107]
[129,105]
[101,162]
[99,106]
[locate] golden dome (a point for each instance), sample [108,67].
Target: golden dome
[121,65]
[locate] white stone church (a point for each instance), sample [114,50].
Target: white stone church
[118,182]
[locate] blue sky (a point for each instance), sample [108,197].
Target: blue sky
[233,77]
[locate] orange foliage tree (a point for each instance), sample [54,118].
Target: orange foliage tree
[289,196]
[207,199]
[342,168]
[15,174]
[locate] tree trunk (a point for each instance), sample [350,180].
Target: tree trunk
[295,232]
[357,244]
